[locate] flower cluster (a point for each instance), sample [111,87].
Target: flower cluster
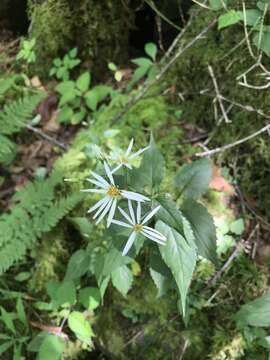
[112,194]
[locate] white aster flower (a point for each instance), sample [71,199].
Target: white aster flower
[137,224]
[107,205]
[125,158]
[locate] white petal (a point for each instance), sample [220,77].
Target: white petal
[98,191]
[105,211]
[129,147]
[116,168]
[111,213]
[98,204]
[129,243]
[102,207]
[152,238]
[138,153]
[99,184]
[139,212]
[99,178]
[151,214]
[133,196]
[128,166]
[131,212]
[121,223]
[108,172]
[156,234]
[125,215]
[154,231]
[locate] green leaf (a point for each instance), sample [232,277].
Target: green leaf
[203,228]
[114,260]
[264,44]
[90,298]
[160,273]
[23,276]
[65,87]
[237,227]
[51,348]
[91,99]
[138,75]
[7,318]
[192,180]
[152,169]
[253,17]
[83,225]
[80,326]
[65,114]
[78,265]
[112,67]
[57,62]
[35,344]
[179,257]
[83,82]
[5,346]
[122,279]
[21,312]
[169,214]
[62,293]
[230,18]
[255,313]
[142,62]
[73,53]
[151,50]
[217,4]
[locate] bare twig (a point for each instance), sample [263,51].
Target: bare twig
[229,146]
[183,350]
[160,75]
[218,95]
[46,137]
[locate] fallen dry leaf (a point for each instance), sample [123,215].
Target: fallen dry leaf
[219,183]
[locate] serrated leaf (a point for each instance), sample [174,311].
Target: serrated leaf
[192,180]
[78,265]
[80,326]
[179,257]
[169,214]
[122,279]
[255,313]
[62,293]
[65,114]
[229,18]
[91,99]
[51,348]
[83,82]
[90,298]
[203,228]
[160,273]
[151,50]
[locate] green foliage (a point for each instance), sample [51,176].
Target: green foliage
[61,67]
[36,211]
[27,52]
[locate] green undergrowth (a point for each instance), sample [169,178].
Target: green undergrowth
[190,76]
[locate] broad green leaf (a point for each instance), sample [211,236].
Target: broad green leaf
[21,312]
[7,318]
[83,225]
[255,313]
[253,17]
[113,260]
[73,53]
[179,257]
[23,276]
[65,114]
[169,214]
[237,227]
[122,279]
[264,44]
[65,87]
[90,298]
[62,293]
[203,228]
[57,62]
[78,117]
[230,18]
[78,265]
[80,326]
[91,99]
[217,4]
[35,343]
[152,169]
[83,82]
[142,62]
[68,97]
[5,346]
[138,75]
[160,273]
[51,348]
[151,50]
[192,180]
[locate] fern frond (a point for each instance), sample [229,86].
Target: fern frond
[16,114]
[36,211]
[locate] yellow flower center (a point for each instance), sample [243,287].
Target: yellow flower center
[113,191]
[123,160]
[137,227]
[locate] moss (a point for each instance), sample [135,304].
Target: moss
[190,76]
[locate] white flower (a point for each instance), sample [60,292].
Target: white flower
[125,158]
[138,226]
[111,195]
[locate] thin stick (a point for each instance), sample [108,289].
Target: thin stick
[46,137]
[163,71]
[229,146]
[219,98]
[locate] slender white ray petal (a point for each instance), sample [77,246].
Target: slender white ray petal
[151,214]
[129,243]
[108,172]
[125,215]
[122,223]
[154,234]
[116,168]
[98,204]
[139,212]
[131,212]
[98,191]
[105,211]
[99,184]
[133,196]
[129,147]
[111,213]
[102,207]
[137,153]
[128,166]
[99,178]
[154,231]
[152,238]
